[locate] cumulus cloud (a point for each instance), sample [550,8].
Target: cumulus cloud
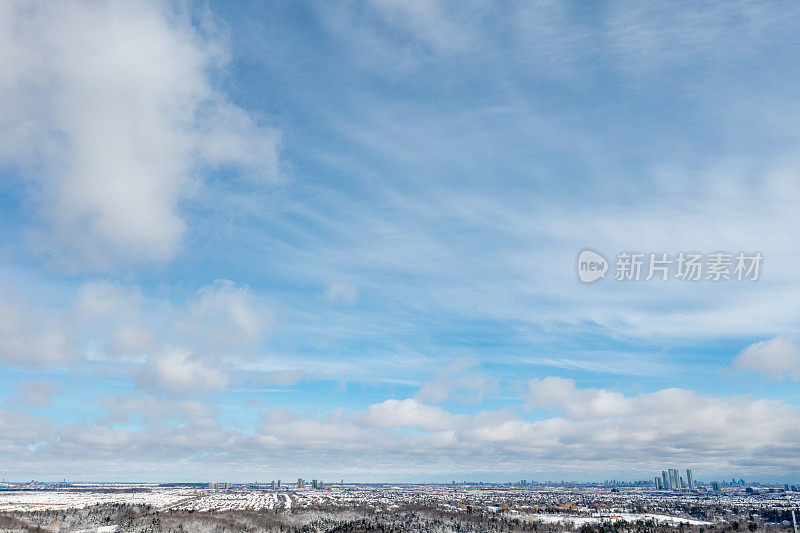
[550,391]
[714,434]
[184,348]
[178,349]
[776,358]
[178,371]
[111,111]
[407,413]
[37,393]
[228,315]
[560,393]
[607,426]
[221,316]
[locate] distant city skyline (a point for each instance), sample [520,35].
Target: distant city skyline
[301,482]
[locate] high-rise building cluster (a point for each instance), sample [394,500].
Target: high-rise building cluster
[301,483]
[671,480]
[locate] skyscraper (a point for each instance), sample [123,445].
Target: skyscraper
[664,480]
[658,483]
[673,479]
[690,478]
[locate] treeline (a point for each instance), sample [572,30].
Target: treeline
[333,519]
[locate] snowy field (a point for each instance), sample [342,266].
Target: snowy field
[174,498]
[71,499]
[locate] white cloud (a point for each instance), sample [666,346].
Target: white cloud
[407,413]
[33,336]
[227,315]
[344,292]
[36,393]
[426,21]
[176,370]
[115,315]
[110,110]
[103,299]
[554,392]
[549,391]
[182,348]
[606,426]
[636,434]
[777,358]
[220,316]
[179,348]
[457,379]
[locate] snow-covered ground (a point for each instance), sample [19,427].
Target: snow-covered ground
[578,505]
[578,521]
[68,499]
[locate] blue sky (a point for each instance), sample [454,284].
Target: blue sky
[248,241]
